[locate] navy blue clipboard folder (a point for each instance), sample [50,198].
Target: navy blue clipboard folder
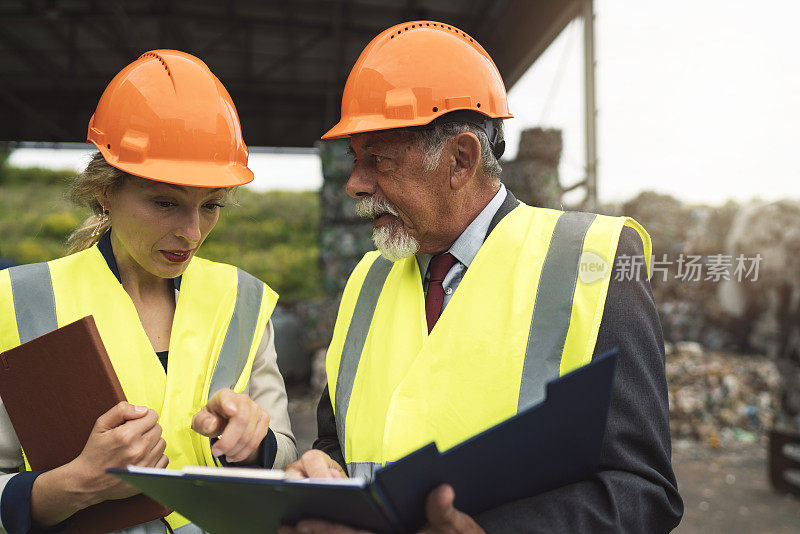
[551,444]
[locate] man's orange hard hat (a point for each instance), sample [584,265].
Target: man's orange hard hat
[166,117]
[415,72]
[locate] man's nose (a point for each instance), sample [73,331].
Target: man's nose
[361,183]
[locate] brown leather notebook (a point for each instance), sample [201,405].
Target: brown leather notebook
[54,388]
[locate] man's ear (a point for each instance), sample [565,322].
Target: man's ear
[467,155]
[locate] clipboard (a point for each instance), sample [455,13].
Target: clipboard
[548,445]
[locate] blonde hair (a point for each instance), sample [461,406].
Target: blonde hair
[98,178]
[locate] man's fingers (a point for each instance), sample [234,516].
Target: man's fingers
[439,506]
[296,470]
[314,526]
[443,517]
[316,464]
[162,462]
[336,472]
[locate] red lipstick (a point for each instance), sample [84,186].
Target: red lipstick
[177,256]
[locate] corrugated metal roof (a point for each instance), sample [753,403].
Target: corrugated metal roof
[284,62]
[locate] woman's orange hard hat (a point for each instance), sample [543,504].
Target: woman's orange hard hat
[415,72]
[166,117]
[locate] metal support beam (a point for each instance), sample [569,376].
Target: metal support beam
[53,129]
[526,26]
[39,62]
[591,111]
[292,55]
[332,90]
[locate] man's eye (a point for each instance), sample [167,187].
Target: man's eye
[378,158]
[164,203]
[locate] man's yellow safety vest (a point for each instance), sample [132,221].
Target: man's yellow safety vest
[220,318]
[527,310]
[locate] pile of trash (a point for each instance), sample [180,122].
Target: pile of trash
[718,397]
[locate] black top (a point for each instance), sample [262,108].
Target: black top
[635,490]
[162,357]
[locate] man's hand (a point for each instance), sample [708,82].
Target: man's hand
[315,464]
[443,518]
[313,526]
[239,423]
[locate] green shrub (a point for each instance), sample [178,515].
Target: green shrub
[22,176]
[59,225]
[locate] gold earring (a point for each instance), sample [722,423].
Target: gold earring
[101,220]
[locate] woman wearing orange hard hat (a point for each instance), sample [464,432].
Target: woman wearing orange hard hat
[190,340]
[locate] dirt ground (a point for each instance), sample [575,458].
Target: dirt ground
[724,490]
[727,490]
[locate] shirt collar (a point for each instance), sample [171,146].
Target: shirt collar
[466,247]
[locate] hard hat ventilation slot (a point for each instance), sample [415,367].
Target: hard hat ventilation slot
[435,25]
[161,59]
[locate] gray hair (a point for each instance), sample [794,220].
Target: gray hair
[433,141]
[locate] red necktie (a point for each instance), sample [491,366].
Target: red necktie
[440,264]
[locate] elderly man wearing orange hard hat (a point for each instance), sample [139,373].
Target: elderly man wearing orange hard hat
[473,301]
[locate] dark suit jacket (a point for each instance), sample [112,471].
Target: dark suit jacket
[635,490]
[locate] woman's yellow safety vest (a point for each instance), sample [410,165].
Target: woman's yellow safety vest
[220,318]
[527,310]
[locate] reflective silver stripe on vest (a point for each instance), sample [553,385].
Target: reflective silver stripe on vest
[190,528]
[34,302]
[362,469]
[356,337]
[553,306]
[239,337]
[158,527]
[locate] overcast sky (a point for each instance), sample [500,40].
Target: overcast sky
[696,98]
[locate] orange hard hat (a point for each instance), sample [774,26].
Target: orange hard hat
[166,117]
[412,74]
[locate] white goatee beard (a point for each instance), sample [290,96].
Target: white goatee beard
[392,240]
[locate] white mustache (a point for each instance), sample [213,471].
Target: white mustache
[371,207]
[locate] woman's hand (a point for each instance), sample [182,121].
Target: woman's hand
[238,421]
[124,435]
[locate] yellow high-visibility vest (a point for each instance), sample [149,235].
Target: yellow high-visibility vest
[527,310]
[220,318]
